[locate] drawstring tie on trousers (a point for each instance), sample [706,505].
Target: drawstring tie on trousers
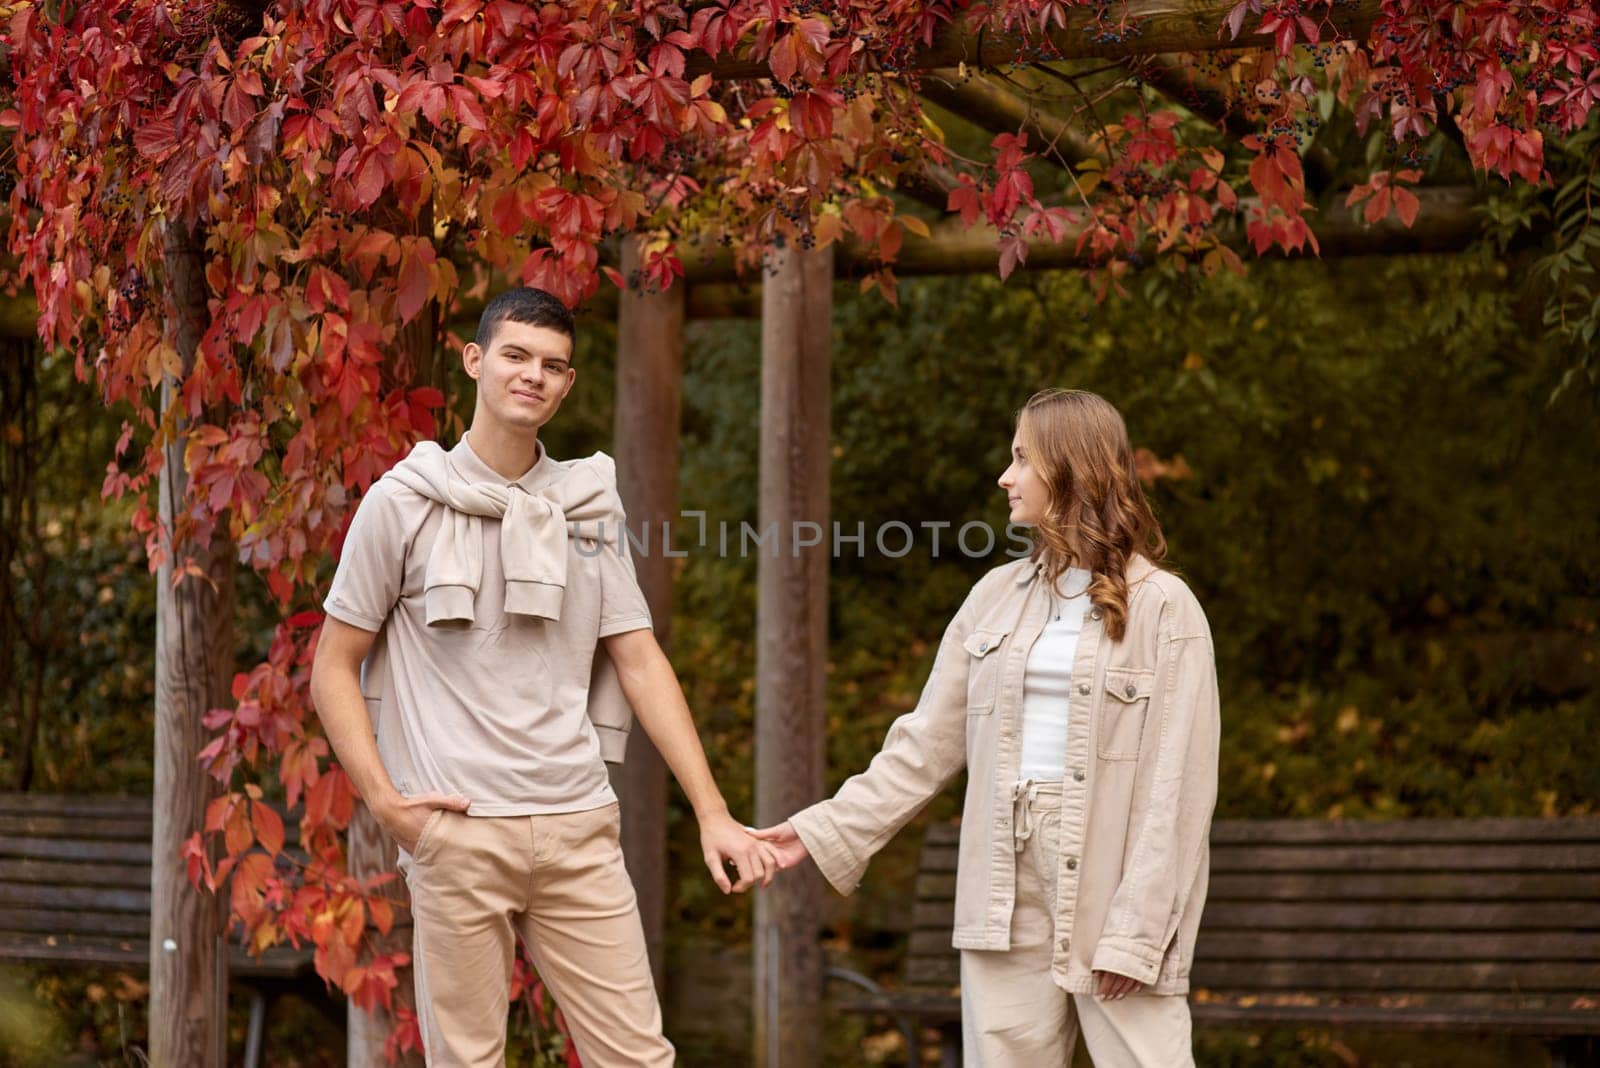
[1030,802]
[1023,823]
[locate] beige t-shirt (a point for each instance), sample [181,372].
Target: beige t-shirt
[494,710]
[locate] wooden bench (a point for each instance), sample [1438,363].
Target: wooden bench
[75,890]
[1479,926]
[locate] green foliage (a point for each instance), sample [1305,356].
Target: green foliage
[96,682]
[1563,275]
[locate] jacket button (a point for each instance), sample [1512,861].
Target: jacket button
[1131,690]
[1083,688]
[1066,944]
[1072,863]
[983,647]
[1077,776]
[1094,613]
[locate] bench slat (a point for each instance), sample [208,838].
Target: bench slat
[63,849]
[1400,916]
[70,873]
[122,828]
[280,963]
[1313,949]
[1469,831]
[113,899]
[90,805]
[933,971]
[60,922]
[1564,856]
[1444,1016]
[1391,886]
[1399,976]
[74,949]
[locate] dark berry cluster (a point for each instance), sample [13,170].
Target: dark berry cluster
[1138,184]
[133,295]
[1109,33]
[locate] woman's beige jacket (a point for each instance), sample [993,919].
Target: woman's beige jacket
[1138,784]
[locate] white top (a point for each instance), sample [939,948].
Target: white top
[1046,685]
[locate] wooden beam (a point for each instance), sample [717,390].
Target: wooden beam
[1154,26]
[194,671]
[1446,222]
[990,106]
[648,411]
[792,641]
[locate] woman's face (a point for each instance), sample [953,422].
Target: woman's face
[1024,486]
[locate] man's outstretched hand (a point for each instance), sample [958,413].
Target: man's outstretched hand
[723,841]
[786,843]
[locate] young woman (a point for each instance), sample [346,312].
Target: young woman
[1078,689]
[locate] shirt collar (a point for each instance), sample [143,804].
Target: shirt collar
[470,466]
[1139,569]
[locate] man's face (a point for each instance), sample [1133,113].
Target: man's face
[524,376]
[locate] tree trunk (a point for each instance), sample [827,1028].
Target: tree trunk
[792,641]
[648,407]
[194,665]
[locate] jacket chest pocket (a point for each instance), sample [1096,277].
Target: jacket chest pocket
[983,669]
[1122,712]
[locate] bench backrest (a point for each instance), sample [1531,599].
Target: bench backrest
[1469,912]
[1486,913]
[75,884]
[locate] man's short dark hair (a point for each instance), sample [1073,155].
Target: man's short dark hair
[524,305]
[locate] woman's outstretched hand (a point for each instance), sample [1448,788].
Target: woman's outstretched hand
[791,851]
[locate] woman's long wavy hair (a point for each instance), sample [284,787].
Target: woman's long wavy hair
[1079,444]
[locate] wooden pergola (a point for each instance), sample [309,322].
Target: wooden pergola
[795,305]
[795,302]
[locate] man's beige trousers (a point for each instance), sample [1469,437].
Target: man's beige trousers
[1013,1015]
[558,881]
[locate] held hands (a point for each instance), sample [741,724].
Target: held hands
[405,818]
[786,844]
[723,841]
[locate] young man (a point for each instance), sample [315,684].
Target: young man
[486,599]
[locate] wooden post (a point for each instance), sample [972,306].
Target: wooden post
[370,852]
[648,406]
[419,361]
[792,641]
[194,669]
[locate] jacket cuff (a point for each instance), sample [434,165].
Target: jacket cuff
[1122,957]
[822,840]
